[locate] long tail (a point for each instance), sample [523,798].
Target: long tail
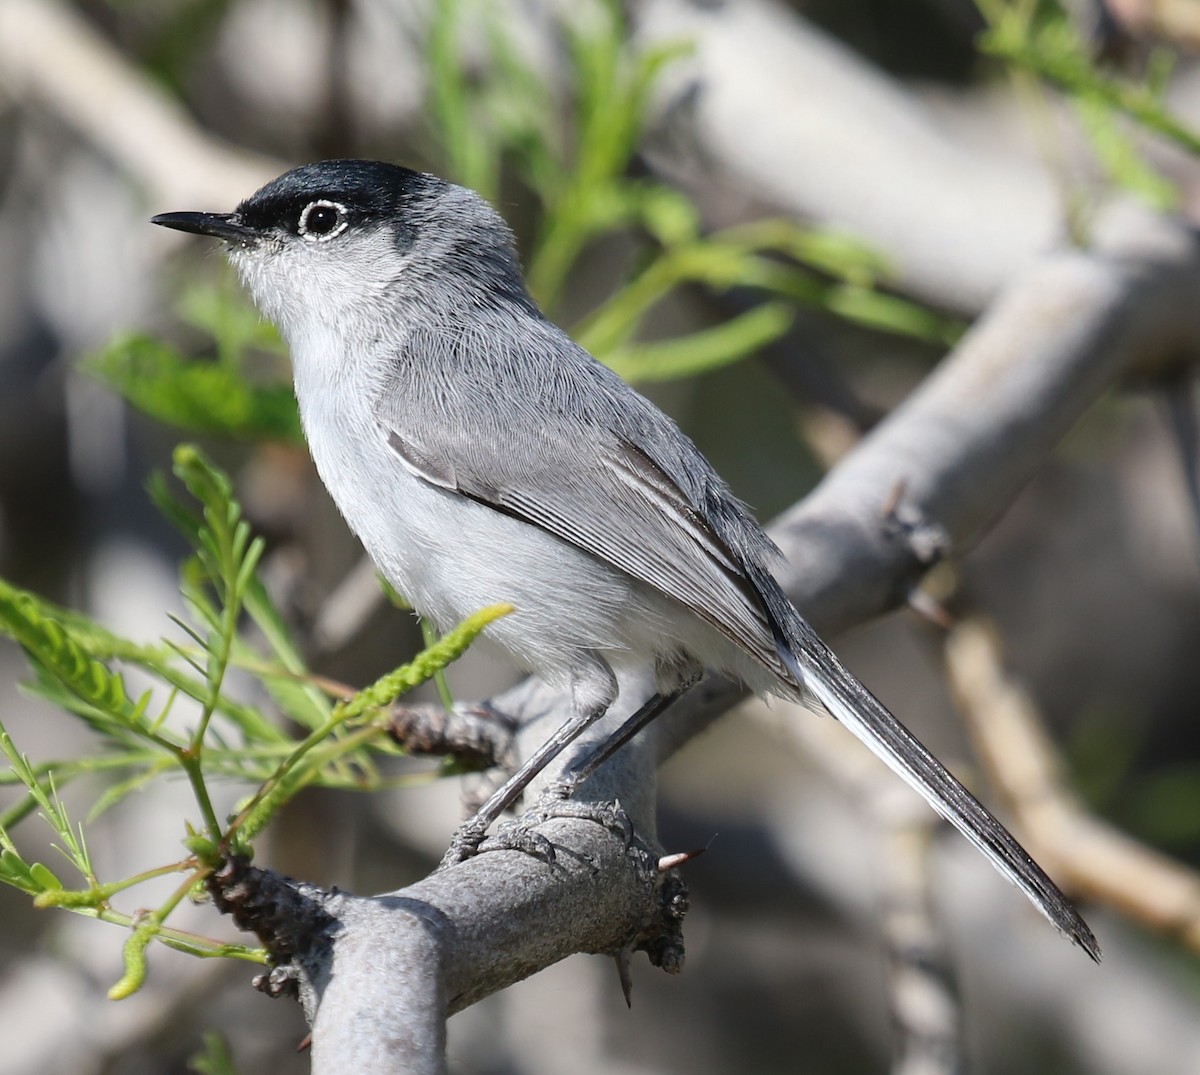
[823,676]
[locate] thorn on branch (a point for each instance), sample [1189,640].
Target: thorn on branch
[680,858]
[623,974]
[677,859]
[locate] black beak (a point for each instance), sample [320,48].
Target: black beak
[219,225]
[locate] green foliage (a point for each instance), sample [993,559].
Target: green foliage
[1165,807]
[1119,157]
[215,1058]
[211,396]
[1114,770]
[495,113]
[66,672]
[577,162]
[491,107]
[1044,42]
[763,256]
[34,878]
[297,770]
[232,622]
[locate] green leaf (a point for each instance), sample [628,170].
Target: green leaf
[303,765]
[429,634]
[297,697]
[235,325]
[16,872]
[669,216]
[444,652]
[889,313]
[44,878]
[114,793]
[193,394]
[472,152]
[57,654]
[1056,52]
[1120,158]
[215,1058]
[705,350]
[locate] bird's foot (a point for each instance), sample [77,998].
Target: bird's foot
[520,833]
[465,843]
[555,801]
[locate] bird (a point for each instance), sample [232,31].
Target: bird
[482,456]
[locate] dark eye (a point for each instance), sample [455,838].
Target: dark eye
[322,220]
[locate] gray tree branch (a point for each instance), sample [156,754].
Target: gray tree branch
[768,106]
[52,58]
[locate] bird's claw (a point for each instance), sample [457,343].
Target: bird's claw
[465,843]
[519,834]
[553,803]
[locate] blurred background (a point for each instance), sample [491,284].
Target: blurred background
[918,160]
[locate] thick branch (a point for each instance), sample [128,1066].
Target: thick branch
[769,106]
[849,148]
[402,963]
[973,434]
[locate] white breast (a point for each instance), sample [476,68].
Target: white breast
[450,556]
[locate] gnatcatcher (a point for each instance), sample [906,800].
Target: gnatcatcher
[482,456]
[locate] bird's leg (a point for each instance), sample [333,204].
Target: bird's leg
[555,800]
[593,690]
[575,777]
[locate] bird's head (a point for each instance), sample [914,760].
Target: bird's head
[342,243]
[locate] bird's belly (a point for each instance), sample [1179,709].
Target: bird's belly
[450,556]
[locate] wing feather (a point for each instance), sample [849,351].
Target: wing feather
[601,479]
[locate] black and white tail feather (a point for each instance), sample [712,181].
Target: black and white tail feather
[823,678]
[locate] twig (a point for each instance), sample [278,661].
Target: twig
[922,994]
[52,58]
[926,1008]
[1087,855]
[963,445]
[477,736]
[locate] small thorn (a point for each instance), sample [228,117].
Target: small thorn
[670,862]
[930,608]
[678,858]
[623,973]
[895,495]
[305,1043]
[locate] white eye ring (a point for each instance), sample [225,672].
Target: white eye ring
[341,221]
